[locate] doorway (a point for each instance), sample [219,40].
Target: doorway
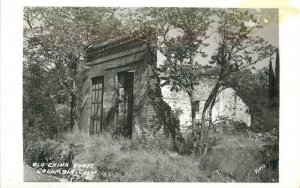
[125,103]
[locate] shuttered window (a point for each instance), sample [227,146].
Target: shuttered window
[96,105]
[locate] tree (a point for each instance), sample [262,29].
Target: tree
[179,34]
[271,81]
[274,78]
[237,49]
[55,39]
[277,80]
[40,120]
[252,88]
[180,70]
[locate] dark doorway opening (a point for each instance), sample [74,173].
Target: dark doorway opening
[125,103]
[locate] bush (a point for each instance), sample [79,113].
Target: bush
[162,167]
[122,159]
[128,160]
[40,151]
[186,147]
[242,159]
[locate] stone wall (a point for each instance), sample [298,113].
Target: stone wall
[107,61]
[228,104]
[110,93]
[232,106]
[152,116]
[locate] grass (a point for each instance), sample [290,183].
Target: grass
[239,158]
[124,160]
[130,161]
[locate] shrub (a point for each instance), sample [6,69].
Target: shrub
[186,147]
[126,160]
[121,159]
[40,151]
[242,159]
[163,167]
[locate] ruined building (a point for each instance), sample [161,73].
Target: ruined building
[122,94]
[228,105]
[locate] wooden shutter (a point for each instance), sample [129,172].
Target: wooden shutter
[96,105]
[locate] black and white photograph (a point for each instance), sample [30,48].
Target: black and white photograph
[150,94]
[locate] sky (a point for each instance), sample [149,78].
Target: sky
[268,18]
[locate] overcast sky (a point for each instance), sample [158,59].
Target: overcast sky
[268,18]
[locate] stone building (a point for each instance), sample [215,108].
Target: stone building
[228,104]
[122,94]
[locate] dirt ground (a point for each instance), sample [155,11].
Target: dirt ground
[30,175]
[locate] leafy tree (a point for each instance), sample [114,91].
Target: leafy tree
[40,120]
[237,49]
[277,80]
[271,80]
[252,87]
[55,39]
[274,80]
[180,70]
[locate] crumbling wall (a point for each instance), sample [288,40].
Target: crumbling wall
[228,104]
[231,106]
[152,116]
[110,96]
[161,119]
